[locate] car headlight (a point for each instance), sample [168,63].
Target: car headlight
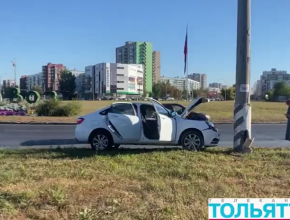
[210,124]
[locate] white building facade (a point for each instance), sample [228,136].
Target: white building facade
[269,78]
[118,79]
[181,83]
[78,81]
[114,79]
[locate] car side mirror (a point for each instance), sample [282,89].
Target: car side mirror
[173,114]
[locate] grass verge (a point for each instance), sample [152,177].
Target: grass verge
[134,184]
[220,112]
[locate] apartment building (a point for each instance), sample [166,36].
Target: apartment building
[34,80]
[269,78]
[114,79]
[181,83]
[216,85]
[202,78]
[141,53]
[23,82]
[156,68]
[78,81]
[51,75]
[7,83]
[119,79]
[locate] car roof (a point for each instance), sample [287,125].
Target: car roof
[136,103]
[172,104]
[148,103]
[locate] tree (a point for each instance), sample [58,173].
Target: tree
[156,90]
[37,89]
[144,92]
[281,89]
[184,94]
[228,94]
[67,84]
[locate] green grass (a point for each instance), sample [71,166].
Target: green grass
[134,184]
[218,111]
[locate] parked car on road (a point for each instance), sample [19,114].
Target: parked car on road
[135,123]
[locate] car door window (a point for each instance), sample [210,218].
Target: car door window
[122,108]
[161,110]
[148,111]
[178,109]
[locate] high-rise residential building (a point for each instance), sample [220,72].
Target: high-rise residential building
[199,78]
[156,66]
[51,75]
[138,53]
[215,85]
[78,81]
[23,82]
[180,83]
[88,81]
[34,80]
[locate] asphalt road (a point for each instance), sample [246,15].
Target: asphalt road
[266,135]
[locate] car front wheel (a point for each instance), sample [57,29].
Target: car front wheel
[101,141]
[192,140]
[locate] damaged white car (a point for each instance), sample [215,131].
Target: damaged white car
[137,123]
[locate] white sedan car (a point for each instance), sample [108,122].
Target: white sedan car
[137,123]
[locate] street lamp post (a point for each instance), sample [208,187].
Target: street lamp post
[226,89]
[226,93]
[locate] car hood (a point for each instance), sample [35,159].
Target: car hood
[193,105]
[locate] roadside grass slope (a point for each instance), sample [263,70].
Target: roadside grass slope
[134,184]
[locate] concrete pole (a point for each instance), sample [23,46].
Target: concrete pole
[242,109]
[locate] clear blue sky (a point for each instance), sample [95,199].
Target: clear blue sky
[80,33]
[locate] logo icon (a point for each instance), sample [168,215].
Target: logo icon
[248,208]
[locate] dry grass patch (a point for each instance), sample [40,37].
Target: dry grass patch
[219,112]
[134,184]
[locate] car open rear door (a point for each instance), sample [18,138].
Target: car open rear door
[166,124]
[124,121]
[192,105]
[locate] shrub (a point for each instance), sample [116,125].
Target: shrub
[68,109]
[46,108]
[56,108]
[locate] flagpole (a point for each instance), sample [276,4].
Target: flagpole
[187,93]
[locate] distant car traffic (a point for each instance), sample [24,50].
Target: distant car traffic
[134,123]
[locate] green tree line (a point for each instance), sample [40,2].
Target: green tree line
[279,89]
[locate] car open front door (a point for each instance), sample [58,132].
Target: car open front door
[166,123]
[124,121]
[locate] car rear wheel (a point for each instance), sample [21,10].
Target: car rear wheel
[101,141]
[192,140]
